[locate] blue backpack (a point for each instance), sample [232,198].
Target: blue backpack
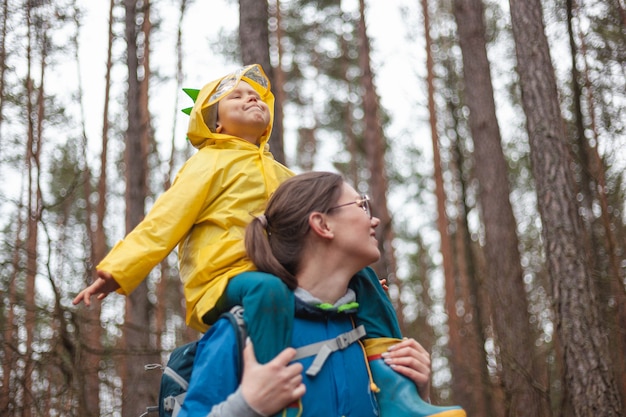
[177,371]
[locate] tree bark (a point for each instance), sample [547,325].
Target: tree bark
[3,58]
[374,144]
[139,390]
[521,375]
[255,49]
[277,77]
[589,381]
[86,353]
[35,117]
[446,246]
[474,315]
[8,395]
[593,186]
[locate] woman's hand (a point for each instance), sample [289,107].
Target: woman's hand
[410,359]
[101,287]
[271,387]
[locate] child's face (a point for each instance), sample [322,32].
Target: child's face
[242,113]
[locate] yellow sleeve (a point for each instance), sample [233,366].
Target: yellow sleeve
[170,219]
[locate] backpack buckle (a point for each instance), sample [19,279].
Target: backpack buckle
[342,341]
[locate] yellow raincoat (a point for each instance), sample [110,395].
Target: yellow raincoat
[214,196]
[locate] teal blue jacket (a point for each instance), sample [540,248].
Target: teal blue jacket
[341,388]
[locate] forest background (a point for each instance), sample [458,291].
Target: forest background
[490,136]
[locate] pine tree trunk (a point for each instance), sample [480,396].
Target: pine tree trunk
[446,247]
[374,144]
[348,120]
[472,307]
[589,381]
[88,360]
[139,389]
[8,394]
[520,373]
[255,49]
[3,57]
[478,398]
[33,151]
[277,77]
[593,186]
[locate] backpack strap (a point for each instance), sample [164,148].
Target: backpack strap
[177,378]
[173,403]
[323,349]
[235,316]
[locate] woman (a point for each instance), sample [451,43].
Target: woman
[319,232]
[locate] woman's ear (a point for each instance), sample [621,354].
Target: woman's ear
[319,225]
[218,128]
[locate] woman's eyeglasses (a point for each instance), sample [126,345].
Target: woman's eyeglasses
[363,202]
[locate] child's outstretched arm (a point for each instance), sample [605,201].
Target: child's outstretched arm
[101,287]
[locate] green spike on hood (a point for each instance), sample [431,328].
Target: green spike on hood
[192,92]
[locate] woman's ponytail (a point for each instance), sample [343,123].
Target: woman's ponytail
[260,252]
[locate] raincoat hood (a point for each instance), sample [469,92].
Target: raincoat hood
[201,131]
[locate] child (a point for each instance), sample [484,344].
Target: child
[215,195]
[205,211]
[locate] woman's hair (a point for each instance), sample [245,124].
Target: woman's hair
[274,242]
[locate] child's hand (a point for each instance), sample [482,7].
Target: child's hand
[383,282]
[101,287]
[410,359]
